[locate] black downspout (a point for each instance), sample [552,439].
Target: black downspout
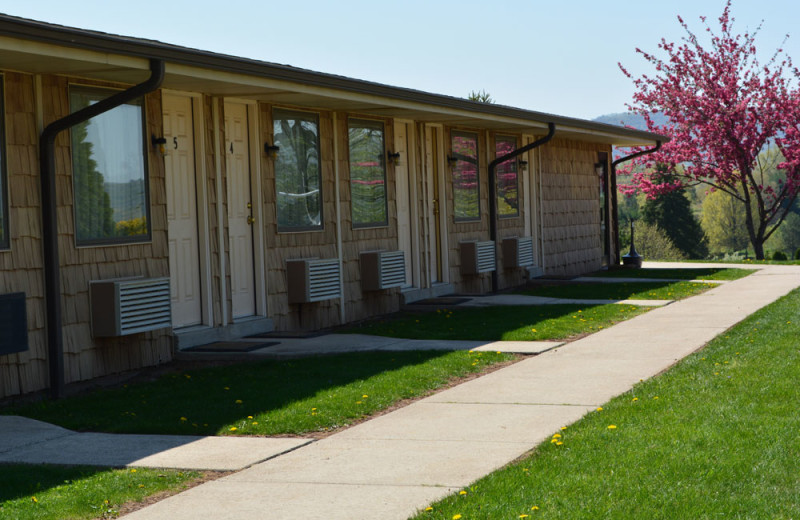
[493,187]
[613,189]
[47,164]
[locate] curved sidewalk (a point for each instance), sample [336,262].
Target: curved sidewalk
[398,463]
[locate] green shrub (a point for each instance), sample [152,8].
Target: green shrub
[653,243]
[797,254]
[780,255]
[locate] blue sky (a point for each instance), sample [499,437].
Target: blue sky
[557,57]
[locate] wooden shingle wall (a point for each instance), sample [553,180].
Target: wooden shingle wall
[511,226]
[572,240]
[312,244]
[21,264]
[471,230]
[362,304]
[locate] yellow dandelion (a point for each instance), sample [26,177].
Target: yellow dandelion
[498,352]
[655,397]
[534,508]
[635,399]
[232,429]
[525,469]
[456,517]
[559,443]
[364,396]
[523,516]
[34,500]
[462,492]
[238,401]
[612,426]
[184,419]
[599,408]
[533,330]
[358,402]
[249,416]
[255,423]
[227,388]
[141,485]
[563,428]
[556,435]
[133,470]
[428,509]
[553,441]
[187,376]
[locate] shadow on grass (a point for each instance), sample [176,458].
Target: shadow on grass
[666,290]
[692,273]
[501,323]
[24,480]
[202,402]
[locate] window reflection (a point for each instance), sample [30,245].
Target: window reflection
[367,173]
[108,171]
[466,190]
[297,171]
[507,178]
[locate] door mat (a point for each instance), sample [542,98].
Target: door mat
[293,334]
[230,346]
[445,300]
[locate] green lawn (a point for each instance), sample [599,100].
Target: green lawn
[506,323]
[44,492]
[266,398]
[620,290]
[690,273]
[717,436]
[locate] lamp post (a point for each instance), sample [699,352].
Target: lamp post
[632,259]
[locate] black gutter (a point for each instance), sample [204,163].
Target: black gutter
[493,187]
[613,190]
[27,29]
[52,277]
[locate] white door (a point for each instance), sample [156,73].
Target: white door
[402,181]
[240,209]
[184,256]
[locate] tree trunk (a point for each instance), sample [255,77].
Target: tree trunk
[758,247]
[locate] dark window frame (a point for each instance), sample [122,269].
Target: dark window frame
[117,240]
[515,162]
[5,239]
[476,136]
[299,229]
[369,123]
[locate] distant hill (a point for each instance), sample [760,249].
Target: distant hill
[628,119]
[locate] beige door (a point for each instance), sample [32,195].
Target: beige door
[184,256]
[433,158]
[240,209]
[402,183]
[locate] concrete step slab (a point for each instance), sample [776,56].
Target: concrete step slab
[429,420]
[242,500]
[385,462]
[156,451]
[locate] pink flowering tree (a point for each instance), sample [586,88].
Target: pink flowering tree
[724,109]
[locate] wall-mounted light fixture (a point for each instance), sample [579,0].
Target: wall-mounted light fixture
[600,169]
[523,165]
[159,143]
[271,150]
[394,158]
[451,161]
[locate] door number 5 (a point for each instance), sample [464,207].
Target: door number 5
[175,142]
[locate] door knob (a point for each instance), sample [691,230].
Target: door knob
[250,220]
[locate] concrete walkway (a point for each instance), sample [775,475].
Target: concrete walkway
[398,463]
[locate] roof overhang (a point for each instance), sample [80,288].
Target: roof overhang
[41,48]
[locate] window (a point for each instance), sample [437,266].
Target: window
[507,178]
[108,172]
[297,171]
[466,191]
[367,173]
[4,241]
